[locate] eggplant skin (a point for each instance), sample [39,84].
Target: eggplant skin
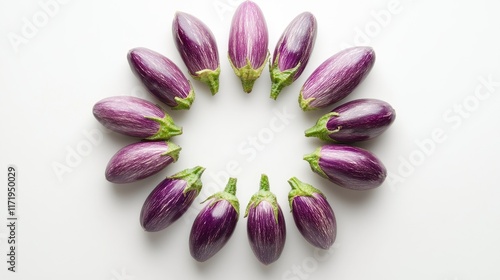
[128,115]
[347,166]
[162,77]
[266,235]
[135,117]
[195,43]
[212,229]
[248,37]
[354,121]
[197,46]
[296,44]
[170,199]
[140,160]
[166,204]
[361,120]
[292,52]
[336,78]
[248,44]
[315,220]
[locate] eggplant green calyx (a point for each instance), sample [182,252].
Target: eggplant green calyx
[193,178]
[173,150]
[247,74]
[320,130]
[229,194]
[304,103]
[264,195]
[185,103]
[280,79]
[167,128]
[300,188]
[313,160]
[209,77]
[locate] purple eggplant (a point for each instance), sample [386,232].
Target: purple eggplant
[349,167]
[170,199]
[266,225]
[312,214]
[141,160]
[198,49]
[215,223]
[292,52]
[135,117]
[336,78]
[357,120]
[162,78]
[248,43]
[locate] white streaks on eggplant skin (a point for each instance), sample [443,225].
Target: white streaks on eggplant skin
[128,115]
[166,204]
[352,167]
[338,76]
[138,161]
[360,120]
[315,220]
[266,236]
[248,37]
[212,229]
[195,42]
[296,43]
[160,75]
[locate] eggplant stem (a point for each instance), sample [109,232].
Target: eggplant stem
[167,128]
[209,77]
[173,150]
[264,183]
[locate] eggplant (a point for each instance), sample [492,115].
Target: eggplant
[140,160]
[162,78]
[215,223]
[357,120]
[292,52]
[336,78]
[135,117]
[312,214]
[346,166]
[248,43]
[198,49]
[170,199]
[266,227]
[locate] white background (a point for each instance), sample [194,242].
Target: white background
[437,216]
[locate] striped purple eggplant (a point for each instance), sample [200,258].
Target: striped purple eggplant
[349,167]
[336,77]
[356,120]
[141,160]
[162,78]
[135,117]
[248,43]
[198,49]
[215,223]
[266,227]
[312,214]
[170,199]
[292,52]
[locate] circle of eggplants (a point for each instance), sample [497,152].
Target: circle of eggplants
[337,160]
